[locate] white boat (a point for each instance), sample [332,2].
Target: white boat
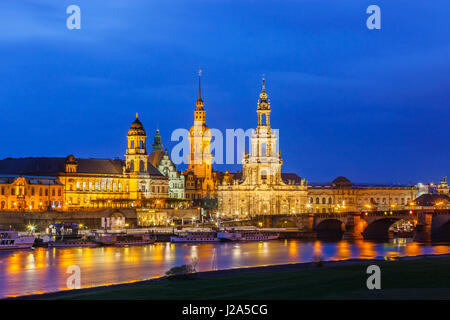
[10,240]
[246,235]
[134,239]
[196,236]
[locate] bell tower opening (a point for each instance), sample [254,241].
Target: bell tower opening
[136,154]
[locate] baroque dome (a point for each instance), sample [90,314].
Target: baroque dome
[137,128]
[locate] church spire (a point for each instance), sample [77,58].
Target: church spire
[157,145]
[263,95]
[199,103]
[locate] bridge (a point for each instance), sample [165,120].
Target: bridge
[431,224]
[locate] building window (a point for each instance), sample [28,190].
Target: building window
[32,191]
[330,201]
[324,200]
[46,192]
[53,192]
[317,200]
[59,192]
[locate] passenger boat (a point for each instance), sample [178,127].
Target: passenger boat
[71,243]
[246,235]
[134,239]
[10,240]
[196,236]
[105,239]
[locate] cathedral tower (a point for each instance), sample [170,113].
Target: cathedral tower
[263,165]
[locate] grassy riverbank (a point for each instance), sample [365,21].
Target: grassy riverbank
[424,278]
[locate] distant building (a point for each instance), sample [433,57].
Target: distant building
[30,193]
[160,159]
[341,195]
[96,183]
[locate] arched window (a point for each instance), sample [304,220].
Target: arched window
[132,165]
[324,200]
[263,119]
[317,200]
[141,166]
[330,201]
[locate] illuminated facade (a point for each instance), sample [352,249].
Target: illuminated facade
[344,196]
[160,159]
[30,193]
[199,179]
[262,189]
[98,183]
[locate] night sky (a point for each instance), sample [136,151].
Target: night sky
[372,105]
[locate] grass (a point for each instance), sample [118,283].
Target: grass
[427,278]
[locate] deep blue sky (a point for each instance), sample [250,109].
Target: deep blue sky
[370,105]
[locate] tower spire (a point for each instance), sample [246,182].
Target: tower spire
[263,95]
[199,84]
[199,103]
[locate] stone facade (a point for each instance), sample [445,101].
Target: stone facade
[160,159]
[344,196]
[30,193]
[100,183]
[200,180]
[262,190]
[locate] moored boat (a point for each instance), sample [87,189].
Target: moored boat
[134,239]
[196,236]
[11,240]
[246,235]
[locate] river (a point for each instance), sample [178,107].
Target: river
[45,270]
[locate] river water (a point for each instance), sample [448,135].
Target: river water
[45,270]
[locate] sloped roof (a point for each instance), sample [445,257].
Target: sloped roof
[154,158]
[56,166]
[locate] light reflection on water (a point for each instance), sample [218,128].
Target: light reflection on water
[44,270]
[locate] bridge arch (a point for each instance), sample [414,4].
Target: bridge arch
[378,230]
[441,233]
[330,229]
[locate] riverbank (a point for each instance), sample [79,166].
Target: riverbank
[421,277]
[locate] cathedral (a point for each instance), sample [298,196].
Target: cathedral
[262,189]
